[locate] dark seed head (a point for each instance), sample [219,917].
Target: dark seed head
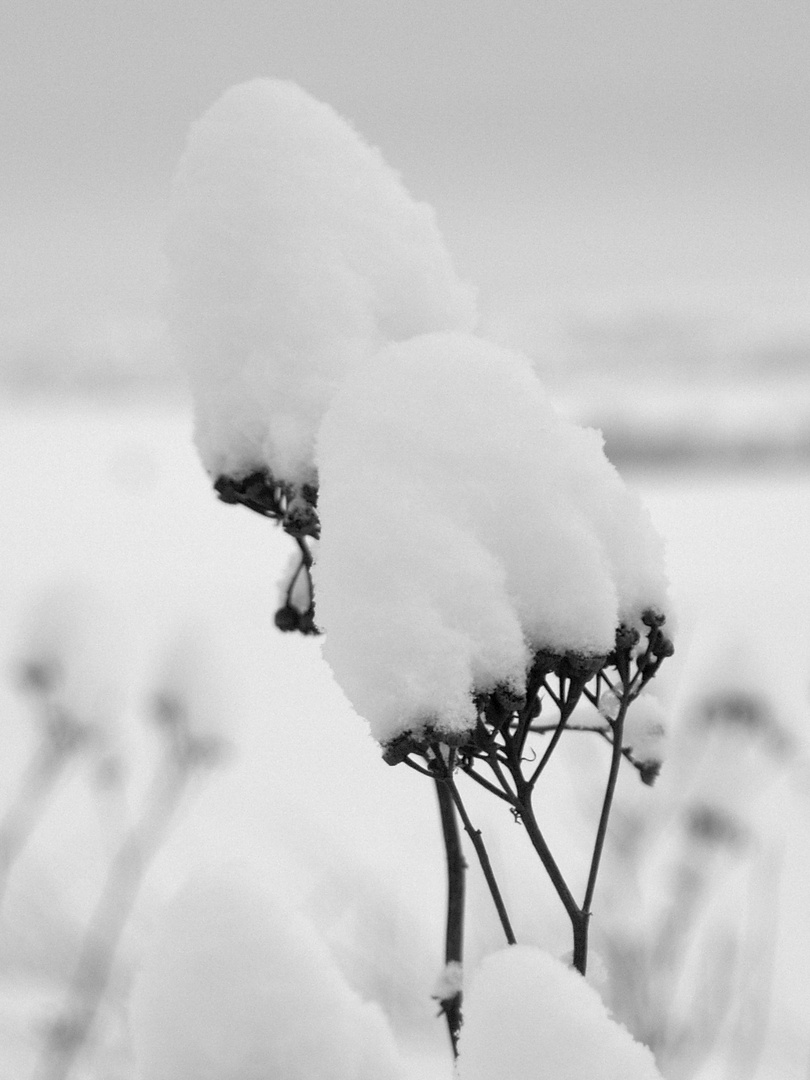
[287,619]
[627,637]
[651,617]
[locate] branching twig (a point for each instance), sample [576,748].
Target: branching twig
[483,858]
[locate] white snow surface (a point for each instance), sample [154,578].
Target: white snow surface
[295,252]
[466,523]
[529,1017]
[237,985]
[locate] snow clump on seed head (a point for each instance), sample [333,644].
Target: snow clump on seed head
[466,525]
[295,252]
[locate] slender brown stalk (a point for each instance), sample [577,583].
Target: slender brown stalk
[454,932]
[483,858]
[529,820]
[607,803]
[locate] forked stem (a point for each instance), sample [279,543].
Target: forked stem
[483,858]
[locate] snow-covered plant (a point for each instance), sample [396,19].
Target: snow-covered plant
[295,251]
[481,568]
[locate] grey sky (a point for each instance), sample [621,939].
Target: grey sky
[568,146]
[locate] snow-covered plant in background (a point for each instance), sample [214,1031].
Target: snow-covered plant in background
[70,665]
[481,568]
[188,715]
[691,956]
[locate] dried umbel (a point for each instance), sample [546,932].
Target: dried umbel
[506,754]
[505,722]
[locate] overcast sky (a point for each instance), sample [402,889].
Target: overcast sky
[570,147]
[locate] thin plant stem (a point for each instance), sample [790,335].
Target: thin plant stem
[607,803]
[579,921]
[483,858]
[484,783]
[555,738]
[546,729]
[454,931]
[495,765]
[566,704]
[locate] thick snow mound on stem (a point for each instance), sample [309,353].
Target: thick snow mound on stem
[466,524]
[295,251]
[529,1017]
[237,986]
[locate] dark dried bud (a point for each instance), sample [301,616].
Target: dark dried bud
[664,648]
[649,772]
[653,618]
[544,662]
[225,488]
[301,519]
[306,623]
[288,619]
[627,637]
[310,494]
[257,491]
[580,667]
[399,748]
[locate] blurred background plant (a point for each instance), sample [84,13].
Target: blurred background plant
[74,669]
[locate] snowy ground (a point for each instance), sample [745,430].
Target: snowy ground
[114,495]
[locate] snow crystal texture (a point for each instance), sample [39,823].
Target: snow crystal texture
[529,1017]
[465,524]
[295,252]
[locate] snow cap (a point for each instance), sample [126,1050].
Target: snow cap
[466,525]
[295,252]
